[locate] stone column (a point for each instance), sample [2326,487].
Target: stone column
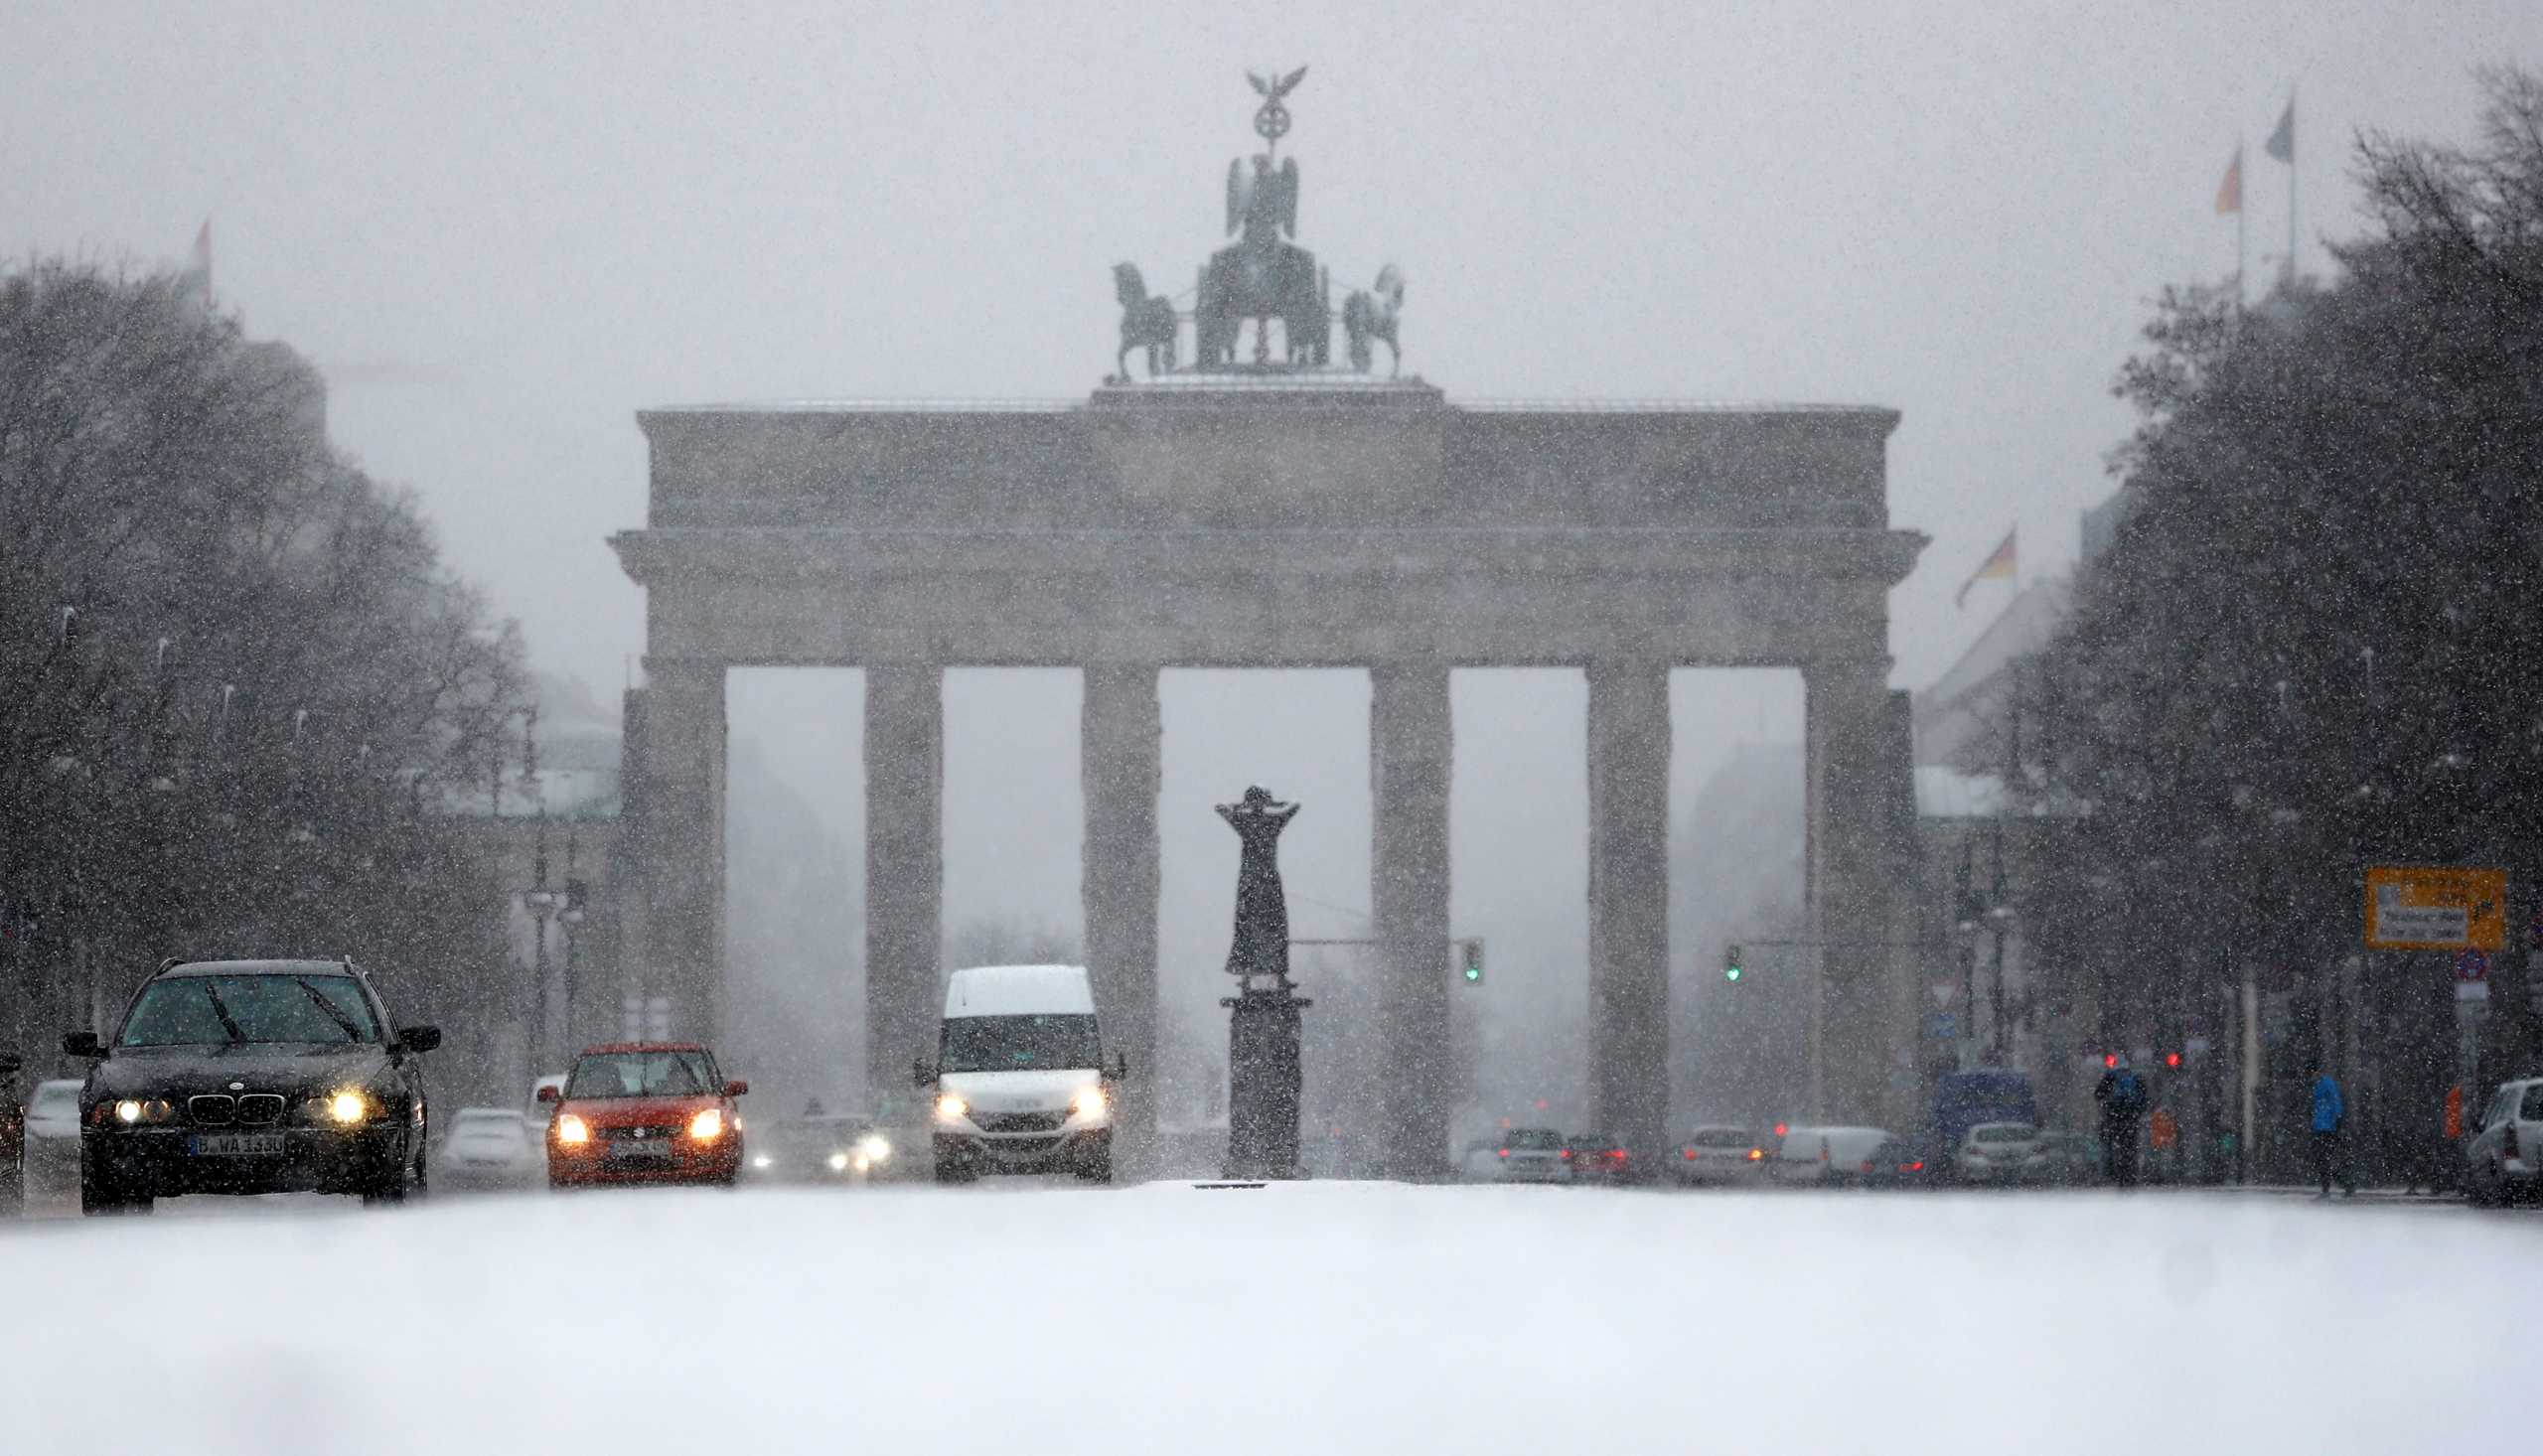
[1629,901]
[683,769]
[904,870]
[1409,751]
[1120,735]
[1859,779]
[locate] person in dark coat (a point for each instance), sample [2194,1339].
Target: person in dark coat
[2121,1097]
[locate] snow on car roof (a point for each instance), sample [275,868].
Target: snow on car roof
[1019,990]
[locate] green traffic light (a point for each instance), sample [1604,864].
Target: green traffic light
[1474,973]
[1730,973]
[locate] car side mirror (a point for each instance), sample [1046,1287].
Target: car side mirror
[84,1044]
[737,1088]
[923,1072]
[419,1037]
[551,1094]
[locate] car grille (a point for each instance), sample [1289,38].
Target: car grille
[214,1109]
[259,1109]
[664,1132]
[1018,1121]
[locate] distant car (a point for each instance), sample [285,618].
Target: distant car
[1596,1157]
[1534,1155]
[53,1139]
[645,1113]
[1720,1156]
[1894,1164]
[489,1148]
[2504,1158]
[1826,1156]
[249,1076]
[1996,1154]
[1481,1161]
[827,1148]
[2065,1160]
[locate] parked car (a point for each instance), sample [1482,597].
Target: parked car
[2065,1160]
[1996,1154]
[247,1076]
[1534,1155]
[645,1113]
[1895,1163]
[489,1148]
[1826,1156]
[1596,1157]
[1963,1099]
[1481,1161]
[2504,1158]
[53,1139]
[1720,1156]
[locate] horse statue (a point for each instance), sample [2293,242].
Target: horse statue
[1145,323]
[1372,314]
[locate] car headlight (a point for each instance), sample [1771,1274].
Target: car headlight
[707,1125]
[348,1106]
[838,1162]
[762,1160]
[1088,1102]
[950,1108]
[128,1111]
[874,1147]
[572,1130]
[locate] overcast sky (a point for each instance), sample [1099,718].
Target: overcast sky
[505,229]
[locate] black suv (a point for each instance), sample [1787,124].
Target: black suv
[251,1076]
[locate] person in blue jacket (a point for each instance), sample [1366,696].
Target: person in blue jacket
[2329,1114]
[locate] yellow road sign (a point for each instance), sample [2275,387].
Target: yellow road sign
[2420,908]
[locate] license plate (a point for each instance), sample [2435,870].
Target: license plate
[640,1152]
[237,1144]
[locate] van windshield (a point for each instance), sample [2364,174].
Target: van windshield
[1018,1043]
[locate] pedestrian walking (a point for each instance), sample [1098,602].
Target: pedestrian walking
[2330,1158]
[2121,1096]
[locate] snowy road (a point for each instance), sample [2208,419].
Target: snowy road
[1385,1318]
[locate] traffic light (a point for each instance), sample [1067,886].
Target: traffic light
[1731,970]
[2172,1060]
[1473,972]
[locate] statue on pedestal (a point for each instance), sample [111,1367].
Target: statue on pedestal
[1264,1025]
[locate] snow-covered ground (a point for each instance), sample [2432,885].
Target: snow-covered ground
[1374,1317]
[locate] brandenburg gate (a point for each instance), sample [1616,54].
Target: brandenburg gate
[1285,513]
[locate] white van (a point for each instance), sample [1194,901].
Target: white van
[1021,1085]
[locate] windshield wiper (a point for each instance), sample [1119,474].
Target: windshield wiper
[353,1033]
[221,1009]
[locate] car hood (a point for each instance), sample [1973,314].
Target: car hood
[600,1113]
[290,1068]
[1041,1091]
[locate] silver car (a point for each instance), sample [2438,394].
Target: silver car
[53,1141]
[1998,1153]
[1534,1155]
[2504,1158]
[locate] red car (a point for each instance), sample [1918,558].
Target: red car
[643,1113]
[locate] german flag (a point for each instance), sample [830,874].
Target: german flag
[1999,566]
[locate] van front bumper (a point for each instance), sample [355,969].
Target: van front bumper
[1063,1151]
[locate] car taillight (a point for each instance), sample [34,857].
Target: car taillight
[1690,1154]
[1616,1153]
[1757,1156]
[1866,1165]
[1505,1152]
[1916,1167]
[1567,1155]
